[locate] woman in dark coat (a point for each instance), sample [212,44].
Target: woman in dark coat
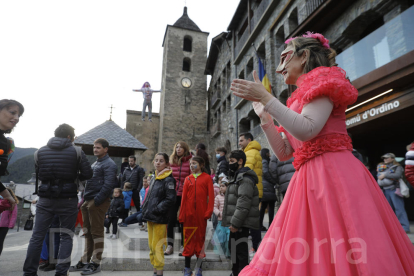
[269,193]
[10,112]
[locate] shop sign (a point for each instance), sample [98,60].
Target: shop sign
[373,112]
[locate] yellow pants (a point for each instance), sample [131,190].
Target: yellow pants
[157,238]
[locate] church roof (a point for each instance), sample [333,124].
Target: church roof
[186,23]
[120,141]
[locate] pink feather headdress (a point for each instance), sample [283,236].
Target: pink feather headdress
[321,38]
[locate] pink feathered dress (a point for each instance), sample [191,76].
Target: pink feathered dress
[334,219]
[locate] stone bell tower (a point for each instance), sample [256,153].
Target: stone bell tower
[183,114]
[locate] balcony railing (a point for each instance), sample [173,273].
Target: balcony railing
[215,128]
[257,14]
[312,5]
[216,98]
[387,43]
[240,43]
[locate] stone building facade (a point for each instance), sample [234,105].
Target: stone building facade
[375,46]
[259,29]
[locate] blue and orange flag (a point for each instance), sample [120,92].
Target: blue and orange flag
[263,76]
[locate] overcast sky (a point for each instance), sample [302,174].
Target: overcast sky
[68,61]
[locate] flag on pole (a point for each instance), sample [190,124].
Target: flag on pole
[263,76]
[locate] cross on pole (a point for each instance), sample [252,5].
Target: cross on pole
[110,116]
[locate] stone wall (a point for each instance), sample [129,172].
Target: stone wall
[147,133]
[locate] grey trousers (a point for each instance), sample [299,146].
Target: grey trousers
[47,208]
[144,107]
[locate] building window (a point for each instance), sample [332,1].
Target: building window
[228,103]
[280,37]
[228,75]
[244,125]
[188,43]
[242,29]
[187,65]
[223,109]
[224,79]
[241,75]
[249,69]
[293,20]
[261,52]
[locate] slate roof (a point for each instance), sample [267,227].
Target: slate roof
[116,136]
[186,23]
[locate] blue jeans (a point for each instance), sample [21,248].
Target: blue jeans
[397,205]
[134,218]
[67,211]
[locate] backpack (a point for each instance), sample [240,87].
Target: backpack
[78,182]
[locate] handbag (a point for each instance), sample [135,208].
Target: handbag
[404,189]
[4,205]
[29,223]
[107,223]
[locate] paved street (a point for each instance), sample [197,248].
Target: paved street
[15,248]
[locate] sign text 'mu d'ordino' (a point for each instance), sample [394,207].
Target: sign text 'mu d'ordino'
[373,112]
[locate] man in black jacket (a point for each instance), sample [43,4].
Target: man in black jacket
[97,192]
[58,166]
[222,163]
[134,174]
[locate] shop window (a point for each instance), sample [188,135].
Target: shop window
[188,43]
[187,65]
[372,27]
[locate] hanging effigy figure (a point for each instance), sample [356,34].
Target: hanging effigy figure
[147,94]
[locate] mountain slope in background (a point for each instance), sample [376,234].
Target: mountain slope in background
[20,153]
[20,171]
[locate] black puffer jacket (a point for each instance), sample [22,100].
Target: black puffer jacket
[160,199]
[282,171]
[241,201]
[103,181]
[58,162]
[222,167]
[269,182]
[134,176]
[116,208]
